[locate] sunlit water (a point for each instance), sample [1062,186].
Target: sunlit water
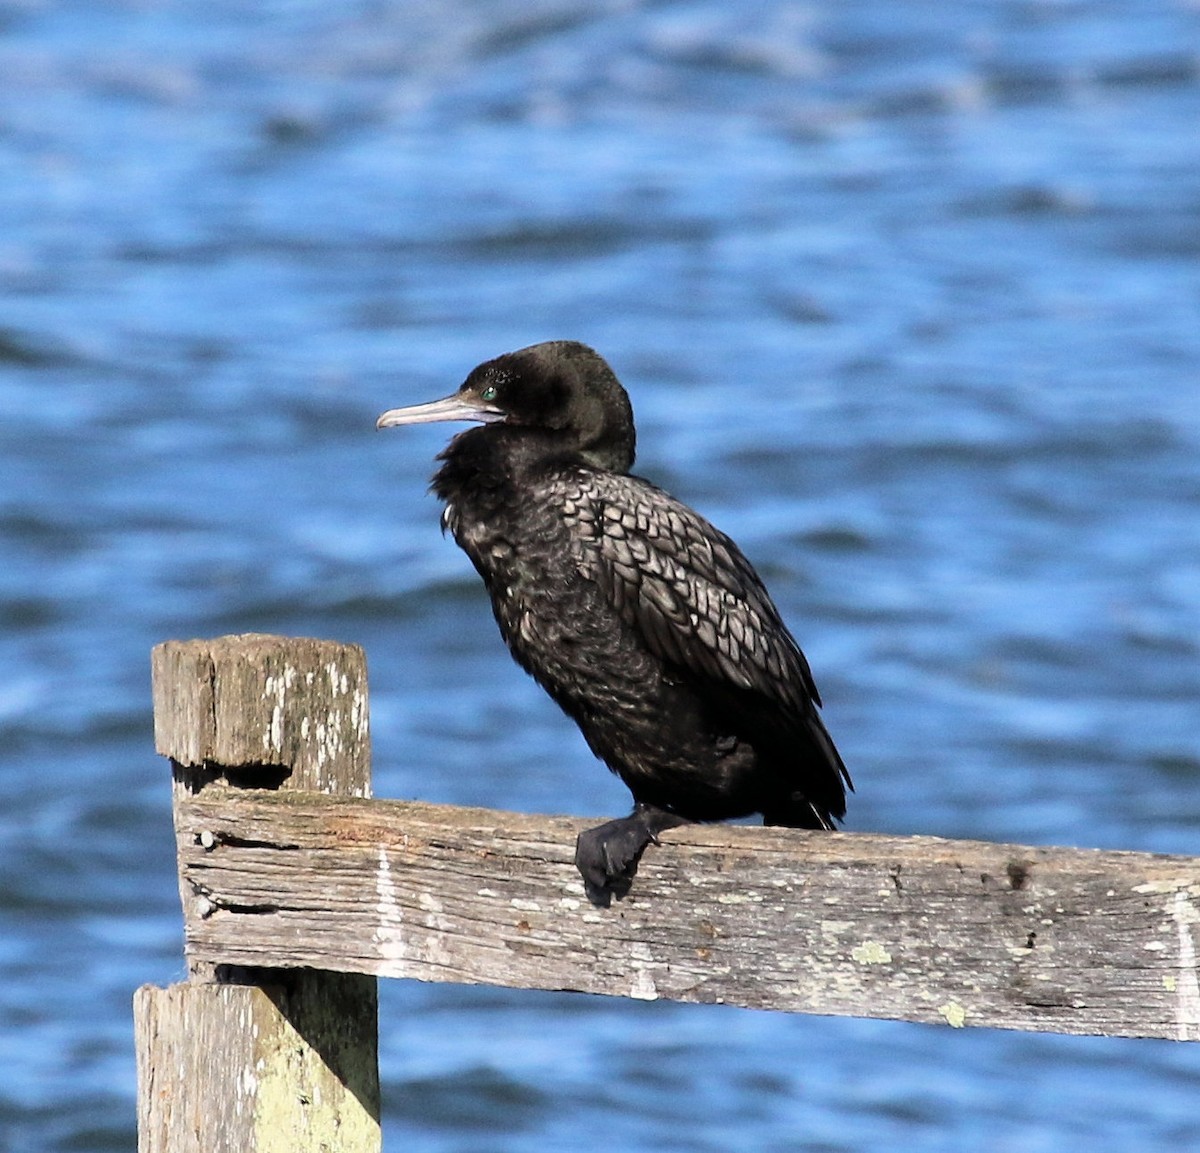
[908,301]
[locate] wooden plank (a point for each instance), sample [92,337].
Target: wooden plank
[260,1059]
[918,929]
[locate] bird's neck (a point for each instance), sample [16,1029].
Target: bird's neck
[490,463]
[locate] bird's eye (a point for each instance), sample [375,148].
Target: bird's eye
[489,393]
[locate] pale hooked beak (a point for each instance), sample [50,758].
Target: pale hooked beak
[456,407]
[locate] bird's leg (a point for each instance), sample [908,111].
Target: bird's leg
[607,856]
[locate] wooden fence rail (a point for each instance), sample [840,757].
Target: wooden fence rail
[291,878]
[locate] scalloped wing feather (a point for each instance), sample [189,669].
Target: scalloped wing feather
[687,588]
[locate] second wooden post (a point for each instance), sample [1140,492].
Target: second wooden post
[253,1061]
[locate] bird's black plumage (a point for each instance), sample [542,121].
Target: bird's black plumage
[644,622]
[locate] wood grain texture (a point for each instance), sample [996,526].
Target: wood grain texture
[231,1068]
[288,703]
[917,929]
[280,1060]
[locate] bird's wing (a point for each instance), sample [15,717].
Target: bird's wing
[687,588]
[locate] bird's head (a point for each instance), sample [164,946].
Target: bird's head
[561,388]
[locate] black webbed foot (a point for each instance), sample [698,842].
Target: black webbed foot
[607,856]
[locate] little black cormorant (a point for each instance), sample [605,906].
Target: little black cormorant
[645,623]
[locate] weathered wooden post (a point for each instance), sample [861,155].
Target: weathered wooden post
[257,1060]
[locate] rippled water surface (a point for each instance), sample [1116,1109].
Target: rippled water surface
[907,297]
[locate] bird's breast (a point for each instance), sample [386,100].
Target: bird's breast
[542,602]
[518,564]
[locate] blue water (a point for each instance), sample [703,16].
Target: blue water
[907,297]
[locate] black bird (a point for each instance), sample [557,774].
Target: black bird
[644,622]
